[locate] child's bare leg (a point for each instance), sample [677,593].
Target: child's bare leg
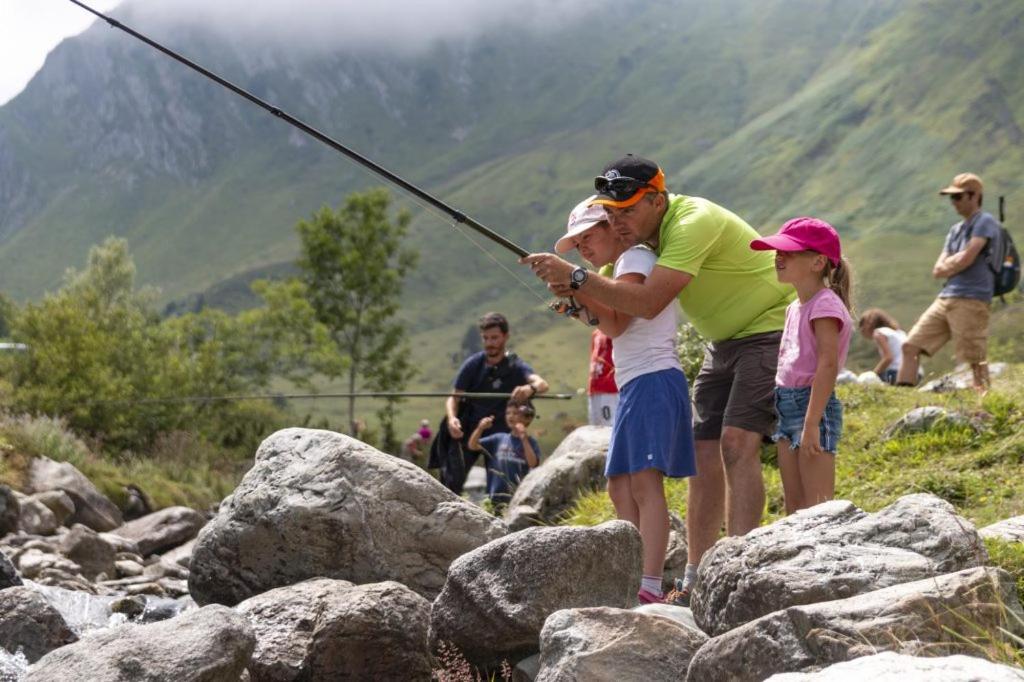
[649,494]
[789,470]
[622,499]
[818,477]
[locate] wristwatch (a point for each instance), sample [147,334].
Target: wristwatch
[578,278]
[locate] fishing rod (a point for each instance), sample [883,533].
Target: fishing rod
[458,216]
[314,396]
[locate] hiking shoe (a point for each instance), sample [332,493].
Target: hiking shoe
[680,596]
[648,597]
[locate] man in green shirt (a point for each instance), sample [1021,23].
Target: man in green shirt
[732,296]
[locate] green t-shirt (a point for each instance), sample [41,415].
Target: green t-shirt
[734,292]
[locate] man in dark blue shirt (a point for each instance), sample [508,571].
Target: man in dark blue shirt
[492,370]
[961,311]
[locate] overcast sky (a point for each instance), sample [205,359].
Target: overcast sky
[29,29]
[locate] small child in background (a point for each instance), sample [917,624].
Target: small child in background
[815,340]
[879,326]
[510,456]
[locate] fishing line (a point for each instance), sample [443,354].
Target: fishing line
[380,395]
[542,299]
[450,212]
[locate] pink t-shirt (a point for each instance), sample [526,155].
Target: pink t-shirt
[798,354]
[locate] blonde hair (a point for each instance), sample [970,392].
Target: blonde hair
[838,278]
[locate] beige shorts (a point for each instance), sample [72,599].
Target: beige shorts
[965,320]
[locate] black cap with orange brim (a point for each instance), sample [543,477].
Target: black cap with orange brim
[624,182]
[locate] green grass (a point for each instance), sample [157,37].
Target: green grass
[978,473]
[180,471]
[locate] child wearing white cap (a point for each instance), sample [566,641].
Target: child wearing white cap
[652,435]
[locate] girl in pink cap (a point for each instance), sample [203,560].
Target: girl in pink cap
[815,340]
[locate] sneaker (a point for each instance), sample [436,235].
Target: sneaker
[680,596]
[648,597]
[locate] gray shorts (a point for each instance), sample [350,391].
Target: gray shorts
[736,386]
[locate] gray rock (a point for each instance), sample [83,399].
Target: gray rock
[10,511]
[181,555]
[320,504]
[1010,530]
[29,623]
[35,517]
[58,502]
[163,530]
[575,467]
[8,573]
[922,419]
[326,629]
[91,507]
[830,551]
[92,553]
[960,380]
[615,644]
[212,644]
[32,562]
[680,614]
[892,667]
[12,667]
[496,598]
[922,617]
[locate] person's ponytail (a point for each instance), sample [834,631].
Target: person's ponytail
[839,279]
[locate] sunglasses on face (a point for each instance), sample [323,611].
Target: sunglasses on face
[619,189]
[960,195]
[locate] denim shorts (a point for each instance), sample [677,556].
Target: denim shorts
[791,408]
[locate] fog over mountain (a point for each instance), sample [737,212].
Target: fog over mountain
[405,26]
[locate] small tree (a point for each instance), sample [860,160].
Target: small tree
[352,266]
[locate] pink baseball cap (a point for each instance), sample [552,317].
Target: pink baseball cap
[582,218]
[803,234]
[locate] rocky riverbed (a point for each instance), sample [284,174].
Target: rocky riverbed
[332,560]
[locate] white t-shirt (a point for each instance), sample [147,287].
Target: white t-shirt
[647,345]
[894,338]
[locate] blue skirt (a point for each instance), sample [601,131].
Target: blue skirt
[653,427]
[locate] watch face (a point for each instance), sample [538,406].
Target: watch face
[579,275]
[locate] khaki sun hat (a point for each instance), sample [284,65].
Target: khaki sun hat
[965,182]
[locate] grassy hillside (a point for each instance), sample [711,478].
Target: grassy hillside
[856,112]
[978,472]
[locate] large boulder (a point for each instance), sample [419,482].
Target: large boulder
[605,643]
[28,623]
[922,617]
[8,573]
[320,504]
[58,502]
[333,630]
[1008,530]
[10,510]
[91,507]
[93,554]
[496,598]
[575,467]
[35,518]
[212,644]
[892,667]
[831,551]
[163,530]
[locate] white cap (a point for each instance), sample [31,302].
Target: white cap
[582,218]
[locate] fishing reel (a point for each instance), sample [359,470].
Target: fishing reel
[570,308]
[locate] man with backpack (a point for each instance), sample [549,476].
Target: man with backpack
[971,262]
[492,370]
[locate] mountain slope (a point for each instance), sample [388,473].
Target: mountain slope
[856,112]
